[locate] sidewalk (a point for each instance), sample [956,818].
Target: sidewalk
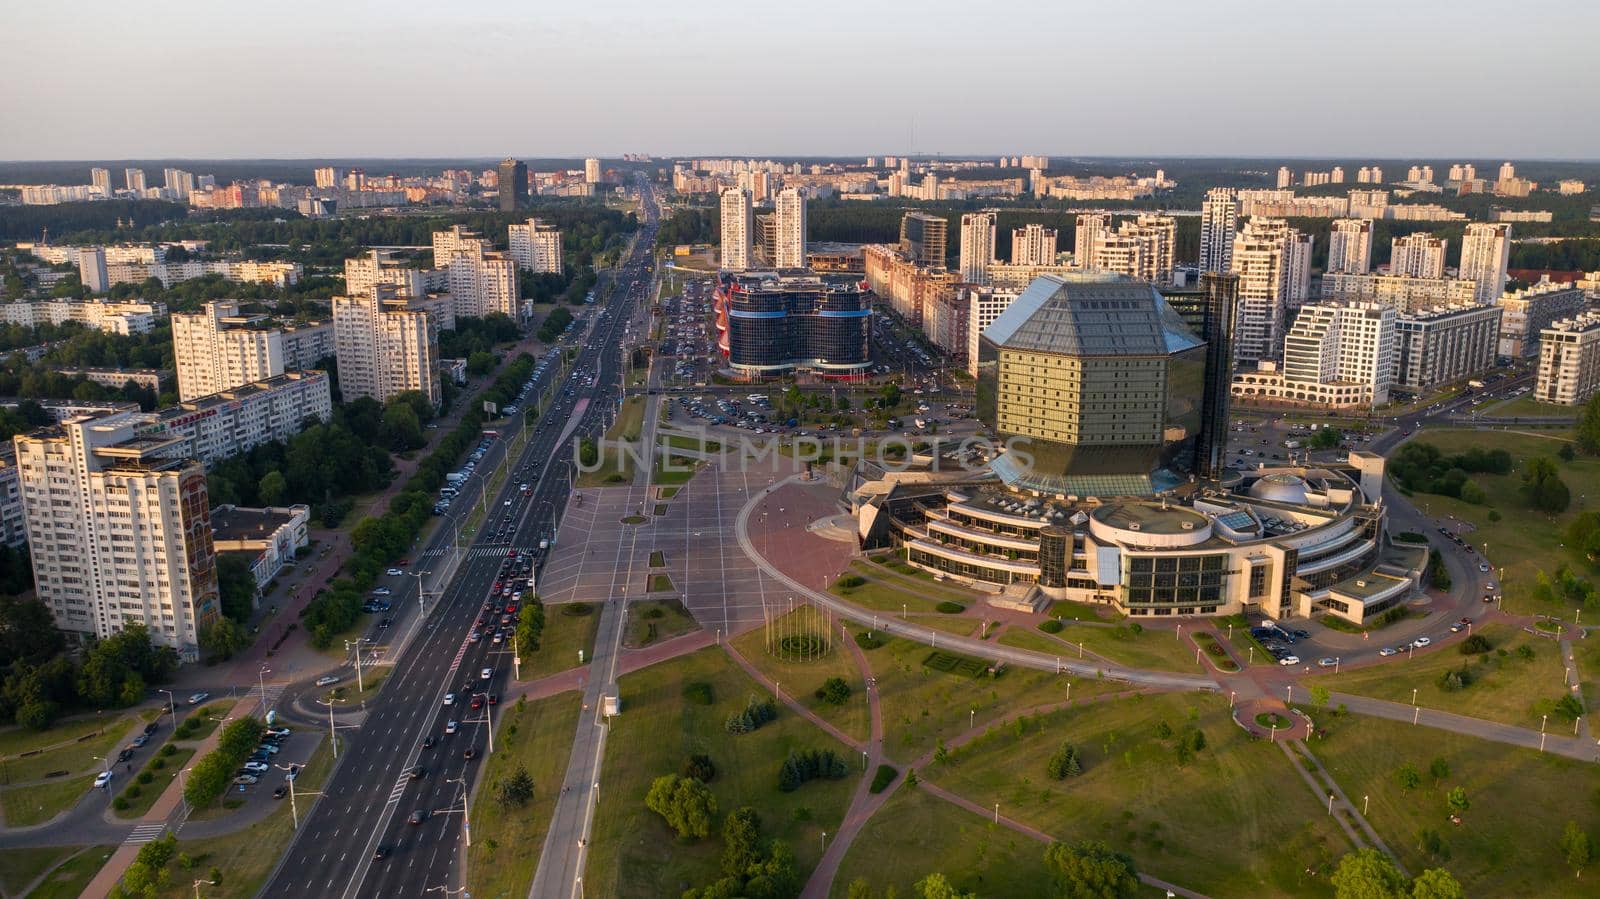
[159,814]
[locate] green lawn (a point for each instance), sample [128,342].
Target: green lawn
[654,620]
[1507,688]
[564,635]
[618,464]
[800,679]
[536,736]
[20,867]
[659,583]
[916,833]
[208,717]
[1508,842]
[356,691]
[921,706]
[17,740]
[1526,406]
[79,756]
[680,471]
[39,803]
[688,442]
[1150,649]
[1136,795]
[633,852]
[889,594]
[247,856]
[68,881]
[148,793]
[1523,542]
[1587,653]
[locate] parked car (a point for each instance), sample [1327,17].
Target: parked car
[246,779]
[1289,660]
[257,767]
[197,698]
[1420,642]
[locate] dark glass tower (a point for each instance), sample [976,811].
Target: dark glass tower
[513,185]
[1222,296]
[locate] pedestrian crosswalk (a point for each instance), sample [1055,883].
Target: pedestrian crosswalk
[399,788]
[146,833]
[479,552]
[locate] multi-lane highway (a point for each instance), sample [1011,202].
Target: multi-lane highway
[371,798]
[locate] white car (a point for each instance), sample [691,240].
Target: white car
[1420,642]
[1388,651]
[1289,660]
[327,680]
[450,727]
[394,572]
[103,778]
[486,674]
[197,698]
[449,699]
[257,767]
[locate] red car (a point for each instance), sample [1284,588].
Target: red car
[477,702]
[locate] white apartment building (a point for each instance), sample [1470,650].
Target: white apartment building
[1219,224]
[1569,360]
[218,348]
[92,270]
[1350,246]
[790,246]
[483,282]
[536,246]
[977,246]
[1485,255]
[382,352]
[1034,244]
[1437,346]
[1417,255]
[213,428]
[363,273]
[1141,249]
[113,318]
[737,226]
[1336,355]
[120,532]
[1405,294]
[1525,313]
[984,305]
[100,180]
[1273,262]
[1085,237]
[134,180]
[591,171]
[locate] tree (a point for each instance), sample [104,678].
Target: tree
[222,638]
[237,585]
[1090,870]
[1457,798]
[1542,487]
[937,886]
[273,488]
[1319,695]
[1588,436]
[1326,438]
[834,691]
[1439,769]
[1408,776]
[1368,874]
[741,842]
[700,767]
[1436,883]
[1065,763]
[686,804]
[402,429]
[516,790]
[1576,847]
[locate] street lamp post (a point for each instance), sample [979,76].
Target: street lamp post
[172,705]
[360,686]
[488,719]
[197,886]
[261,681]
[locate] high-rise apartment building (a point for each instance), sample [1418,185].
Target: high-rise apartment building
[1219,224]
[790,248]
[100,180]
[1417,255]
[536,246]
[513,185]
[1569,359]
[591,171]
[984,305]
[1285,177]
[737,230]
[219,348]
[1033,244]
[120,531]
[1485,255]
[1345,349]
[977,246]
[384,351]
[1221,292]
[1525,313]
[481,280]
[92,269]
[327,177]
[1350,246]
[363,273]
[179,183]
[1140,249]
[1086,236]
[923,238]
[1273,262]
[134,179]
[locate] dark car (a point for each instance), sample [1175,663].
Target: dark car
[469,753]
[427,742]
[380,853]
[418,816]
[280,792]
[416,772]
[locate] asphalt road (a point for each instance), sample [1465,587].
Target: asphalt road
[370,798]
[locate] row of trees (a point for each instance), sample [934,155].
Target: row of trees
[331,612]
[1086,870]
[209,777]
[478,335]
[1424,468]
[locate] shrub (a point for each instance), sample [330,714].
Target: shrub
[698,693]
[1051,626]
[119,804]
[950,608]
[1163,730]
[133,791]
[1459,679]
[168,749]
[834,691]
[700,767]
[156,764]
[1064,763]
[146,777]
[868,640]
[1475,644]
[1525,652]
[881,778]
[577,609]
[849,582]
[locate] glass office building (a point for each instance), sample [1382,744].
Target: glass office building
[776,325]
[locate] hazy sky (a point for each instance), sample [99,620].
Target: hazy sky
[288,78]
